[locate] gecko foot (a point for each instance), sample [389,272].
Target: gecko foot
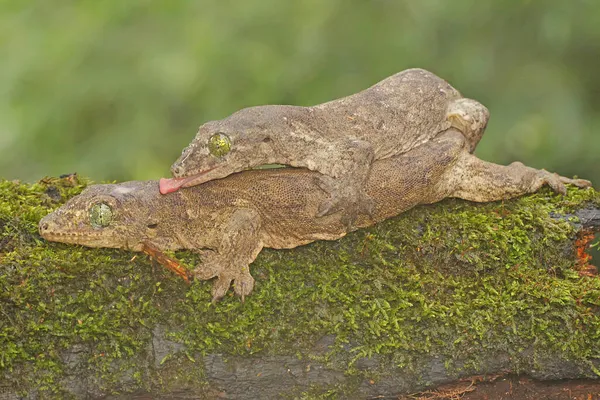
[213,266]
[346,198]
[243,283]
[556,182]
[580,183]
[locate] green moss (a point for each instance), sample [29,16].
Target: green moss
[325,392]
[456,279]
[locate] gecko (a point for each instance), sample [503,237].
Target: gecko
[340,139]
[228,221]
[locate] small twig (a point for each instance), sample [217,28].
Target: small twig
[166,261]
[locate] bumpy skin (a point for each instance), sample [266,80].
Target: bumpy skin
[339,139]
[230,220]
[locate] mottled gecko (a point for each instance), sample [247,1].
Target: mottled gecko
[340,139]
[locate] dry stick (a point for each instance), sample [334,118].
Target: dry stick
[166,261]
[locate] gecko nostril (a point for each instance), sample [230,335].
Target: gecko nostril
[177,171]
[44,226]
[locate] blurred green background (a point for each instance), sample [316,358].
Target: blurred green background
[114,90]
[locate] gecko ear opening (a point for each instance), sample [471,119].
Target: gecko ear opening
[151,231]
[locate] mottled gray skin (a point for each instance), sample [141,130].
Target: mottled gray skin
[230,220]
[339,139]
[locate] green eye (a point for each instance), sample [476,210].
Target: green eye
[100,215]
[219,144]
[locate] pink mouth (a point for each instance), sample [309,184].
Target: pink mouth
[170,185]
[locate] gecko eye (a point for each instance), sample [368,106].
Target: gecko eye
[219,144]
[100,215]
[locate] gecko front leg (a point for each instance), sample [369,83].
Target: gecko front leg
[345,179]
[230,262]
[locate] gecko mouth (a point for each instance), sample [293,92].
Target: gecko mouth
[170,185]
[68,237]
[49,231]
[88,240]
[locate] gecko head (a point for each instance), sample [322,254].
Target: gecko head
[221,148]
[110,215]
[470,117]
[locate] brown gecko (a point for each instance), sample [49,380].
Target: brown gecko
[340,139]
[230,220]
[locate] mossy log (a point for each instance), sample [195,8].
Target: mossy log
[438,293]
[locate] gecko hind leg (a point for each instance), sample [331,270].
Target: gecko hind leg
[477,180]
[470,117]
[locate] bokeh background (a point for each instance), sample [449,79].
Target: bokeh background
[114,90]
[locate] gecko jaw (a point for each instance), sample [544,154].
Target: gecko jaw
[70,237]
[89,239]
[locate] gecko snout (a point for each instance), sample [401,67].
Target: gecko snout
[43,227]
[46,226]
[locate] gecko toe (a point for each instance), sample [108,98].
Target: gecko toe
[580,183]
[243,284]
[556,183]
[220,287]
[558,187]
[544,177]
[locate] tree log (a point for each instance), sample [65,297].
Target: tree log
[438,293]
